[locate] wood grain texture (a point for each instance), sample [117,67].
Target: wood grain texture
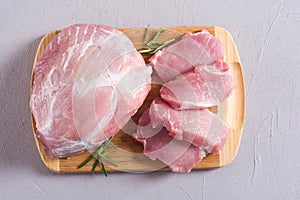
[128,152]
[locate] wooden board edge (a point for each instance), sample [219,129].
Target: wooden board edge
[238,130]
[220,32]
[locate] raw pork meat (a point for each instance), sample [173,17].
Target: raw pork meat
[88,82]
[206,86]
[180,156]
[193,49]
[200,127]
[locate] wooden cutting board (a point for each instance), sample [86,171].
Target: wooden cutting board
[128,153]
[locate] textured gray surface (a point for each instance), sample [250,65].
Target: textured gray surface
[267,36]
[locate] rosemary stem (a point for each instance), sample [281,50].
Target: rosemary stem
[146,34]
[98,154]
[103,168]
[152,46]
[162,46]
[161,30]
[85,162]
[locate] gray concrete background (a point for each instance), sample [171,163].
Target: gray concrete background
[267,36]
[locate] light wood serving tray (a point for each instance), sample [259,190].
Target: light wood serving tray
[231,111]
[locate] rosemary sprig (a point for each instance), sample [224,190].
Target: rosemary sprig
[95,165]
[163,45]
[160,31]
[146,34]
[86,161]
[98,155]
[152,46]
[103,168]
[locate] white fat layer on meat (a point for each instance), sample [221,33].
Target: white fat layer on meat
[85,30]
[47,89]
[110,32]
[196,105]
[86,44]
[76,36]
[58,39]
[92,41]
[66,62]
[212,69]
[206,45]
[71,50]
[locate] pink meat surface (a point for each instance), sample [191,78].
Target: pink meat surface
[193,49]
[180,156]
[200,127]
[88,82]
[206,86]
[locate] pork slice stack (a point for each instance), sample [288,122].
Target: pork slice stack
[195,77]
[88,82]
[180,156]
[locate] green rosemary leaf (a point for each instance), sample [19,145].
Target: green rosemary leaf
[146,50]
[152,46]
[105,144]
[160,31]
[95,165]
[146,34]
[103,168]
[98,154]
[158,43]
[86,161]
[163,45]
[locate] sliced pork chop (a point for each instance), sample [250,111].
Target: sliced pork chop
[206,86]
[88,82]
[180,156]
[200,127]
[193,49]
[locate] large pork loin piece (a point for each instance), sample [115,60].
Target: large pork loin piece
[88,83]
